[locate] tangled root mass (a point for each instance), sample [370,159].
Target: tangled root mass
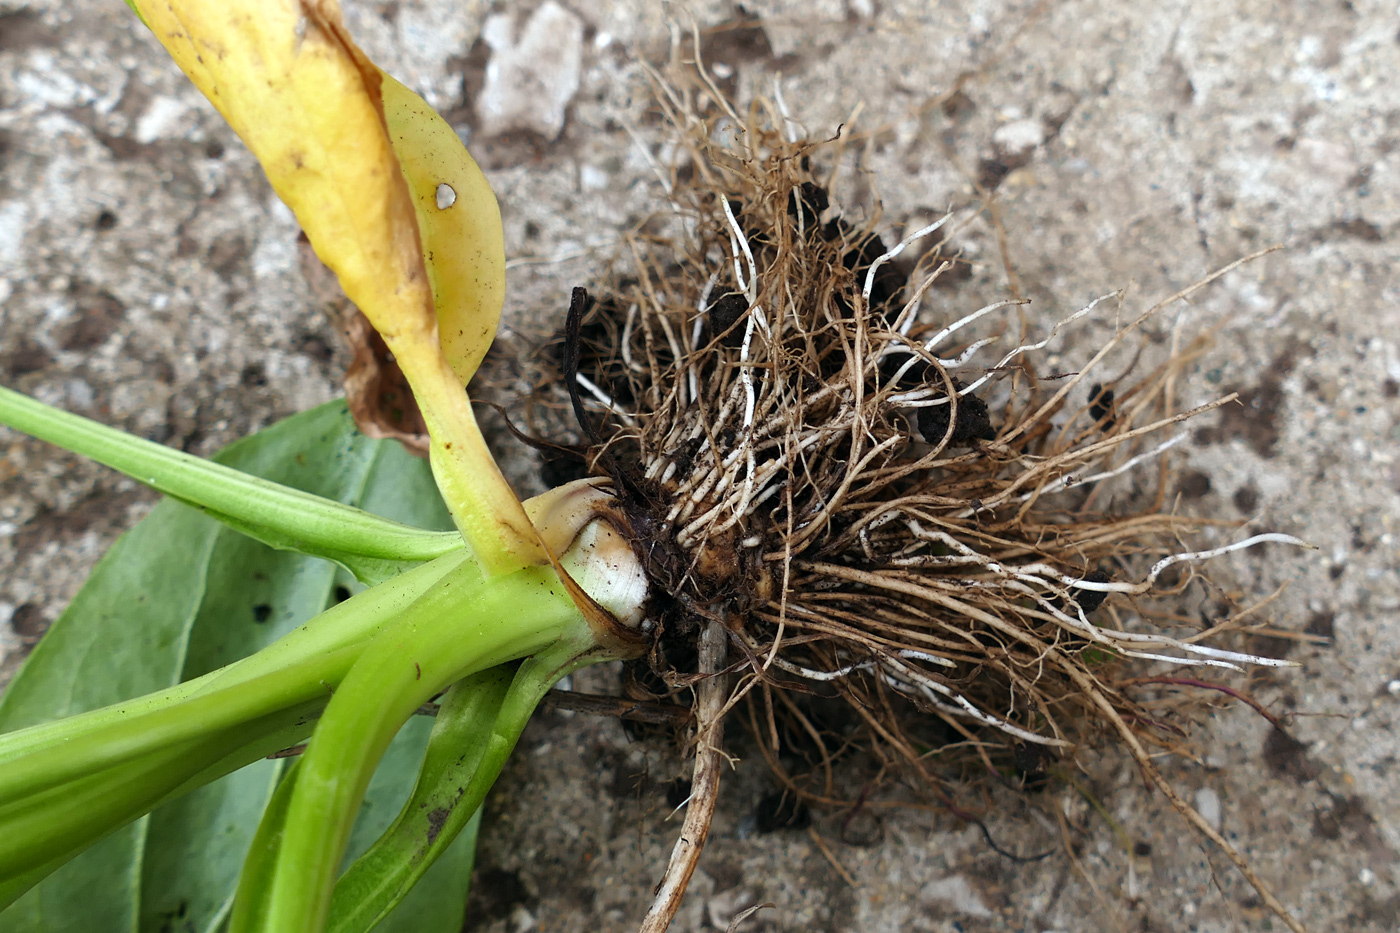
[873,503]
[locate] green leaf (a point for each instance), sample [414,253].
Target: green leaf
[124,634]
[294,518]
[174,598]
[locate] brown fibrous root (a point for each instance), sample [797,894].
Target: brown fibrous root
[870,496]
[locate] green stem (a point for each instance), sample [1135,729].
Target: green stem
[250,903]
[133,789]
[477,726]
[128,791]
[461,626]
[274,514]
[172,726]
[65,818]
[348,626]
[129,757]
[380,877]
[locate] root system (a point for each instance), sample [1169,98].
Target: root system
[872,497]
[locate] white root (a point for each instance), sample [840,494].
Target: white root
[901,247]
[605,398]
[898,673]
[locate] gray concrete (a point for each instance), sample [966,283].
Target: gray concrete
[148,278]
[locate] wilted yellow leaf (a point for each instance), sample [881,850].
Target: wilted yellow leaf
[292,83]
[459,223]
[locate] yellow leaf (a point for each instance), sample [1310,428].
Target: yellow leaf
[459,223]
[292,83]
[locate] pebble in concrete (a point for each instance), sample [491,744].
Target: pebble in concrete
[532,76]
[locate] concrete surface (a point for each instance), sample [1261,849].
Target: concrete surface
[148,278]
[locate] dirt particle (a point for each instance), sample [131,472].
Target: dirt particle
[628,782]
[316,347]
[1271,646]
[1390,388]
[1379,914]
[1285,756]
[1322,624]
[677,793]
[28,622]
[808,201]
[93,513]
[1033,763]
[1008,155]
[725,314]
[958,106]
[1350,818]
[228,257]
[1358,229]
[253,376]
[1179,80]
[96,315]
[956,274]
[1246,499]
[992,172]
[558,467]
[437,819]
[1193,485]
[862,829]
[1101,407]
[25,356]
[24,29]
[126,149]
[1090,600]
[1254,417]
[494,894]
[974,422]
[106,220]
[737,41]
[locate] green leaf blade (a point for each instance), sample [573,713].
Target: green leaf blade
[153,575]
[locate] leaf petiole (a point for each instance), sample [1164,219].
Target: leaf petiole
[457,628]
[348,626]
[478,724]
[370,547]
